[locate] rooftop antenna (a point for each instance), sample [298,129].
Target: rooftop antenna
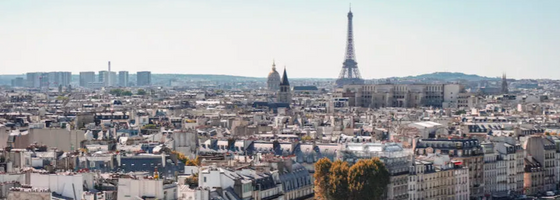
[350,7]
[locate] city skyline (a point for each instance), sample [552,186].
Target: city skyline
[393,39]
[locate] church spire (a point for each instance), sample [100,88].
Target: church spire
[284,78]
[505,88]
[273,65]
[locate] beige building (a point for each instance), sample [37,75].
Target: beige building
[468,100]
[439,178]
[514,155]
[35,194]
[62,139]
[534,177]
[467,151]
[495,172]
[403,95]
[543,151]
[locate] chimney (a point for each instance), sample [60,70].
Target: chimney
[119,159]
[163,159]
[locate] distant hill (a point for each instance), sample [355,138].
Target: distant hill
[447,76]
[163,79]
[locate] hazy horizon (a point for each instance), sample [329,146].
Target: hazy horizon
[241,38]
[265,76]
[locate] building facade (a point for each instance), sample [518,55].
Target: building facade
[514,157]
[123,78]
[495,172]
[103,77]
[438,177]
[36,79]
[86,78]
[542,151]
[112,79]
[60,78]
[144,78]
[403,95]
[18,82]
[534,177]
[467,151]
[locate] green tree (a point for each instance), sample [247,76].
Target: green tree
[338,181]
[149,126]
[61,98]
[126,93]
[116,92]
[322,168]
[141,92]
[460,112]
[368,179]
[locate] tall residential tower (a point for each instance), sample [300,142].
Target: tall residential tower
[123,78]
[143,78]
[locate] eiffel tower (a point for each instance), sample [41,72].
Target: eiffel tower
[350,74]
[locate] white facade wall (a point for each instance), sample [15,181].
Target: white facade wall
[185,193]
[451,94]
[214,178]
[134,188]
[65,185]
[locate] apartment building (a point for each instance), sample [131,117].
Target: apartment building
[438,177]
[514,157]
[467,151]
[542,150]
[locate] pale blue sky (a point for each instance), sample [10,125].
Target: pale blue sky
[241,37]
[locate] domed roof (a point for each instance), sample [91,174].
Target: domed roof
[274,75]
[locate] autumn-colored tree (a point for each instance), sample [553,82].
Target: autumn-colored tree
[188,162]
[368,179]
[322,168]
[180,156]
[192,181]
[382,178]
[193,162]
[306,138]
[338,181]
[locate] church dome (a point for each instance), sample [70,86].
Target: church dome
[273,79]
[274,75]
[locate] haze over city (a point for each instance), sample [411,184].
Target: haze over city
[392,38]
